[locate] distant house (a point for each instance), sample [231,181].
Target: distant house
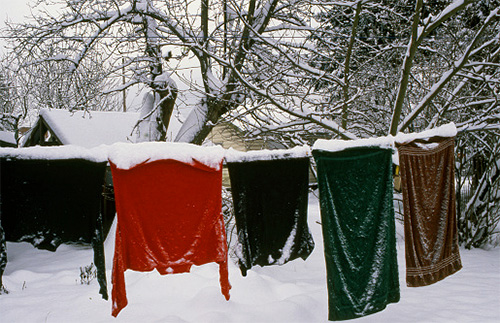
[229,135]
[82,128]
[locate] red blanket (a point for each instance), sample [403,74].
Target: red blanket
[169,218]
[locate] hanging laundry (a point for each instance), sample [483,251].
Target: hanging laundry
[355,186]
[108,209]
[3,254]
[52,195]
[169,209]
[428,184]
[270,198]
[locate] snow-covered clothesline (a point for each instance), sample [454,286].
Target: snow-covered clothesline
[128,155]
[125,157]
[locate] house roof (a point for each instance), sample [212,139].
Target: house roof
[90,128]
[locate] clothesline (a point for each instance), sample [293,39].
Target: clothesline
[151,151]
[168,198]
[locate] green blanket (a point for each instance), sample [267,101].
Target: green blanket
[357,215]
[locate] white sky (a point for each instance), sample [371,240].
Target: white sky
[12,10]
[19,10]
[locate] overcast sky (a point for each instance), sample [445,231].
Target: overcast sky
[13,10]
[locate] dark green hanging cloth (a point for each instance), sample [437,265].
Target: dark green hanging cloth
[47,202]
[358,230]
[270,199]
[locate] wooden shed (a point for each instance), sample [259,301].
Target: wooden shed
[86,129]
[82,128]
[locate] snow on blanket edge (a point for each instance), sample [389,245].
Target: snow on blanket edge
[444,131]
[235,156]
[97,154]
[129,155]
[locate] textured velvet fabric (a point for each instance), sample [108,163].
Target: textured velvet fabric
[357,215]
[3,253]
[49,202]
[270,203]
[169,218]
[428,184]
[108,209]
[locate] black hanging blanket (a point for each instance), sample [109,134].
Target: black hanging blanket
[49,202]
[3,252]
[358,230]
[270,200]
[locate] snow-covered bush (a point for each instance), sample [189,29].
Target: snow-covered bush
[229,221]
[88,274]
[478,189]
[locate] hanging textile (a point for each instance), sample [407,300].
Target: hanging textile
[50,196]
[428,184]
[169,211]
[357,215]
[3,253]
[108,209]
[270,198]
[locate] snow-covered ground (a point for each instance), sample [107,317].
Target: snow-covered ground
[45,287]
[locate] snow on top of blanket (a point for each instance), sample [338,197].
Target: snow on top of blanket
[235,156]
[339,144]
[97,154]
[128,155]
[447,130]
[90,128]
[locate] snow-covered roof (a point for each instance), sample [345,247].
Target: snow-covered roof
[97,154]
[128,155]
[8,136]
[90,128]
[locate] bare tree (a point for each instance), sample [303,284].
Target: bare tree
[353,69]
[278,67]
[425,66]
[48,84]
[286,69]
[241,51]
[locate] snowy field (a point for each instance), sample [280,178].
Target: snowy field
[45,287]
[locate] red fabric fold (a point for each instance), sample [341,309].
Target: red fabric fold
[169,218]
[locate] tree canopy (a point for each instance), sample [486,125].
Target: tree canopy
[290,70]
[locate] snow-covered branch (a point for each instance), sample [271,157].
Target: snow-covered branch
[446,77]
